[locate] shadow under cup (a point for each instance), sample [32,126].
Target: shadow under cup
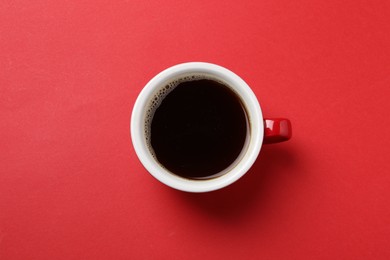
[196,127]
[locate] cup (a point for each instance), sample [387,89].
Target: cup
[259,131]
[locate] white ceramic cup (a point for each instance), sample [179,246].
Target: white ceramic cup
[254,139]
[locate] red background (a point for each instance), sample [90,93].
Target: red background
[71,186]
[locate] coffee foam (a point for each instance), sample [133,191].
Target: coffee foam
[156,99]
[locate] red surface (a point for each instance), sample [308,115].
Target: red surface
[71,186]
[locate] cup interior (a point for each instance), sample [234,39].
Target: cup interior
[163,90]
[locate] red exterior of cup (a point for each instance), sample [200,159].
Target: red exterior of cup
[276,130]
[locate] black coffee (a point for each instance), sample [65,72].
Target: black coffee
[199,129]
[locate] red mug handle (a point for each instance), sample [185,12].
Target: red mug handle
[276,130]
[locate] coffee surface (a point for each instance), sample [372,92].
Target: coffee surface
[199,129]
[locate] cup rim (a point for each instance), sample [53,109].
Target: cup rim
[254,113]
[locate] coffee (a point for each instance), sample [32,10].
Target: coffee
[196,127]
